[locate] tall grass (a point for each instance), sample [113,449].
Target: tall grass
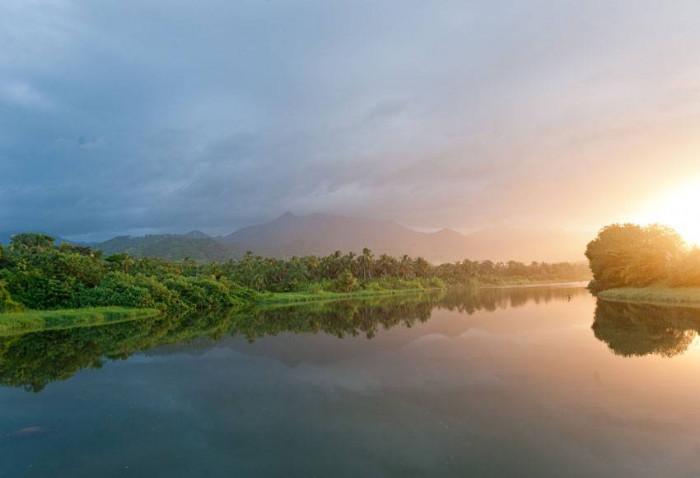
[323,290]
[29,321]
[654,294]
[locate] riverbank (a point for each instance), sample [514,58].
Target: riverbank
[12,323]
[687,296]
[323,295]
[293,297]
[534,284]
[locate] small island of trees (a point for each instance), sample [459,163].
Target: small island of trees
[644,263]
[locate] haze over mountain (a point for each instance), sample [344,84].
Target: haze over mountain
[222,114]
[322,234]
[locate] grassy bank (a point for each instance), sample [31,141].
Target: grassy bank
[654,295]
[12,323]
[530,283]
[21,322]
[291,297]
[328,290]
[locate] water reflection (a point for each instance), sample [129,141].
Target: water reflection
[641,329]
[33,360]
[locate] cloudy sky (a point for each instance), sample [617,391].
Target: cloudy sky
[144,116]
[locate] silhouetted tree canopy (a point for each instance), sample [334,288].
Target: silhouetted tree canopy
[628,255]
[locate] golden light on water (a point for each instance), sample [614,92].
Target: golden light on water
[678,208]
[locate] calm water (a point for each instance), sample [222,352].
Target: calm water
[506,382]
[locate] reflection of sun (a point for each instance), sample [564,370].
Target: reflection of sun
[679,208]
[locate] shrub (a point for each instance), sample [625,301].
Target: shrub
[345,282]
[7,304]
[117,288]
[314,288]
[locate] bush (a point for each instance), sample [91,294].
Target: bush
[314,288]
[37,291]
[345,282]
[117,288]
[7,304]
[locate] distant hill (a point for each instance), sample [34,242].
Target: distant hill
[323,234]
[320,234]
[201,248]
[197,235]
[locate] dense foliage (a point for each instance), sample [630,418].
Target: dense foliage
[346,272]
[628,255]
[37,274]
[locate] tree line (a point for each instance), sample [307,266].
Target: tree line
[347,272]
[35,273]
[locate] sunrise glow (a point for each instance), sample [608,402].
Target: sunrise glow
[678,208]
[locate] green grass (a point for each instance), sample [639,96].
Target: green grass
[654,295]
[527,282]
[291,297]
[30,321]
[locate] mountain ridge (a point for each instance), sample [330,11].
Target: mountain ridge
[334,232]
[322,234]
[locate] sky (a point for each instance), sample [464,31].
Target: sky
[138,117]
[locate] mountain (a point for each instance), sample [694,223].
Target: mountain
[322,234]
[319,234]
[199,247]
[197,235]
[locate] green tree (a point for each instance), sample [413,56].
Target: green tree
[28,241]
[631,255]
[346,282]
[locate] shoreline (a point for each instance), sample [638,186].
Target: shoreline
[301,297]
[654,295]
[15,323]
[582,283]
[296,297]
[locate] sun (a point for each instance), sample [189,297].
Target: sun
[678,208]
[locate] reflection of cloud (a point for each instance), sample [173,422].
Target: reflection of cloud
[548,334]
[434,337]
[336,377]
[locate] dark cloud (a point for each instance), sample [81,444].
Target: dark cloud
[149,116]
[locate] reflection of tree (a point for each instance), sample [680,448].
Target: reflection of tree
[642,329]
[35,359]
[338,318]
[474,300]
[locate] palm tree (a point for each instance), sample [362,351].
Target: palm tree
[406,267]
[367,259]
